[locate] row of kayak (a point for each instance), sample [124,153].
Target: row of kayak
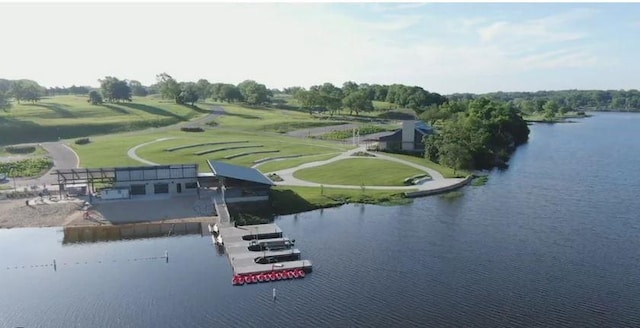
[268,276]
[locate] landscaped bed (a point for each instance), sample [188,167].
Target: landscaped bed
[359,171]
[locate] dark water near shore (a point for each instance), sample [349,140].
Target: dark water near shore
[552,241]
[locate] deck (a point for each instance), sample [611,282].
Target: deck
[243,260]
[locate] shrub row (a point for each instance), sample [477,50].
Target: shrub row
[191,129]
[82,141]
[20,149]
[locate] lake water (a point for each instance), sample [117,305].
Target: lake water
[552,241]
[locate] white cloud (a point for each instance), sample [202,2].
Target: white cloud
[278,44]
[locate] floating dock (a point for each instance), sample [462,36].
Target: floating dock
[272,252]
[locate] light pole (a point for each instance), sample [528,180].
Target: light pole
[13,170]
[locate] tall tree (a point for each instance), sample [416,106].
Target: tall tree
[188,93]
[115,90]
[137,89]
[357,101]
[203,89]
[5,104]
[253,92]
[94,97]
[169,87]
[229,93]
[307,99]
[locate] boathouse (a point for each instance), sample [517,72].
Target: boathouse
[125,182]
[237,183]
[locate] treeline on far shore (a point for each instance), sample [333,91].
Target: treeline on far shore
[566,100]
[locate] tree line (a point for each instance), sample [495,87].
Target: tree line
[474,134]
[359,97]
[566,100]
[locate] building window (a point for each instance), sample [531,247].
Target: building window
[138,189]
[161,188]
[191,185]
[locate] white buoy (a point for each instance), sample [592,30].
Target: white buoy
[274,294]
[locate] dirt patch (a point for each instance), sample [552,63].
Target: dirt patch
[15,214]
[45,213]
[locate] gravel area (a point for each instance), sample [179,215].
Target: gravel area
[15,214]
[45,213]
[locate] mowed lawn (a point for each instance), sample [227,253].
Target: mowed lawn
[72,117]
[269,119]
[359,171]
[284,146]
[282,164]
[112,150]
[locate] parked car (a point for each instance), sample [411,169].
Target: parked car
[3,176]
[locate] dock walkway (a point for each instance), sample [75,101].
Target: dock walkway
[243,260]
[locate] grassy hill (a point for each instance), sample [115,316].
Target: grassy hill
[72,117]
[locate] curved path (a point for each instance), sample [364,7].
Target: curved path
[437,180]
[63,158]
[132,151]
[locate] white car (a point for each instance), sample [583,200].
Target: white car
[3,176]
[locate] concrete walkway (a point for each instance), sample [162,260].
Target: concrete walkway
[132,151]
[437,180]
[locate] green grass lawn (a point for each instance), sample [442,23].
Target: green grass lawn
[289,200]
[293,162]
[112,150]
[445,171]
[359,171]
[72,117]
[268,119]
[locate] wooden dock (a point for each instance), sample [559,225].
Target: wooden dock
[243,261]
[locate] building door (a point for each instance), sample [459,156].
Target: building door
[179,187]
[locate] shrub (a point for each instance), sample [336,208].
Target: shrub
[27,168]
[82,141]
[20,149]
[192,129]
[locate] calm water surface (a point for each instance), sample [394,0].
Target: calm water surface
[552,241]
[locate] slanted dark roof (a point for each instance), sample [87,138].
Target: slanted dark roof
[238,172]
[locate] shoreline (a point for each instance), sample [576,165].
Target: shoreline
[14,213]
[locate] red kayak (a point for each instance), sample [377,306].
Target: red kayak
[279,275]
[273,276]
[296,274]
[238,280]
[301,273]
[267,277]
[290,275]
[247,279]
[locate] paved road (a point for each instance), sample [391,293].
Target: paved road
[63,158]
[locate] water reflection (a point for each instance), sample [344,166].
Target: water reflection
[73,235]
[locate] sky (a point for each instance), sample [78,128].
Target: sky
[442,47]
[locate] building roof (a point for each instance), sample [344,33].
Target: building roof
[238,172]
